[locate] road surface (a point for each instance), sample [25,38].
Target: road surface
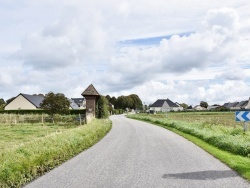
[138,154]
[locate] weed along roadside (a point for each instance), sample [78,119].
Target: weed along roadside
[20,165]
[229,144]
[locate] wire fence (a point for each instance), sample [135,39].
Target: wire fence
[14,119]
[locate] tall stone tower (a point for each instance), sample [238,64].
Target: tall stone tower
[91,96]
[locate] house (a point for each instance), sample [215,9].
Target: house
[25,102]
[73,105]
[226,105]
[80,102]
[32,102]
[247,106]
[231,105]
[180,107]
[199,108]
[241,105]
[164,105]
[213,107]
[238,105]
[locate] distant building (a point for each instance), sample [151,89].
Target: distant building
[91,95]
[164,105]
[238,105]
[241,105]
[199,108]
[33,102]
[80,102]
[25,102]
[213,107]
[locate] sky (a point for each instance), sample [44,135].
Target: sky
[187,51]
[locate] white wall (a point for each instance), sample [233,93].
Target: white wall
[165,109]
[248,104]
[20,103]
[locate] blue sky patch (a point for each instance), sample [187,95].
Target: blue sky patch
[150,40]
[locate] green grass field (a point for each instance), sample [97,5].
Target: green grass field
[13,136]
[210,118]
[29,150]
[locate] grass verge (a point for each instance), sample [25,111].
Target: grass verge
[239,163]
[21,165]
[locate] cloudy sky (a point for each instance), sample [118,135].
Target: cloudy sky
[187,51]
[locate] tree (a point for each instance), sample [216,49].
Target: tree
[113,101]
[102,108]
[108,98]
[129,102]
[55,104]
[137,103]
[121,103]
[203,104]
[2,103]
[9,100]
[184,105]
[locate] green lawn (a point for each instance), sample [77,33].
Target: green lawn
[13,136]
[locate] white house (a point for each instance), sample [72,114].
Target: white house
[80,102]
[212,107]
[164,105]
[32,102]
[25,102]
[199,108]
[247,106]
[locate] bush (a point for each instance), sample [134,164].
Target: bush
[102,108]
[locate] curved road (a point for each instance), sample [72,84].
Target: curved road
[138,154]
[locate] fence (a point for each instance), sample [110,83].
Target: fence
[14,119]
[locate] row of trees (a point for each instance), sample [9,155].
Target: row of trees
[123,102]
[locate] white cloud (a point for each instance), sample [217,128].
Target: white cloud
[69,44]
[215,46]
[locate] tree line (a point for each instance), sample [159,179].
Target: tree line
[126,102]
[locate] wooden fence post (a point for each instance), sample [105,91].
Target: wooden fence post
[80,119]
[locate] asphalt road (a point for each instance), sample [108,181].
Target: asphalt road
[138,154]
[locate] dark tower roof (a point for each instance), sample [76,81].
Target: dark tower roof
[90,91]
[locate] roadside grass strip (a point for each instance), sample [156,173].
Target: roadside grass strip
[20,165]
[233,150]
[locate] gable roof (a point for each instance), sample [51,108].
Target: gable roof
[78,101]
[226,104]
[34,99]
[73,105]
[90,91]
[242,104]
[232,104]
[160,102]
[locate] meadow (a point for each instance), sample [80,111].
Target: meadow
[28,150]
